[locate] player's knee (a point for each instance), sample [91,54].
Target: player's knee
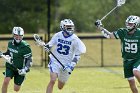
[60,87]
[136,72]
[6,81]
[16,90]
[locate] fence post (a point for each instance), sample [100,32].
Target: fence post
[102,53]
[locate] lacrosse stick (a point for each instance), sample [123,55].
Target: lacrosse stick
[42,43]
[8,60]
[119,3]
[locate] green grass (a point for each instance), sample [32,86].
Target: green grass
[82,80]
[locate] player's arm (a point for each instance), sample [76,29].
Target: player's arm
[104,31]
[51,43]
[28,62]
[79,49]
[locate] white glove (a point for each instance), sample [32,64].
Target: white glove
[70,67]
[98,23]
[8,59]
[22,72]
[47,48]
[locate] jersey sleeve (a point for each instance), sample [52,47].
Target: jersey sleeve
[80,47]
[27,52]
[53,40]
[119,34]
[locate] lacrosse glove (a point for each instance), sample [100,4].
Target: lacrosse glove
[23,71]
[70,67]
[98,23]
[47,47]
[8,59]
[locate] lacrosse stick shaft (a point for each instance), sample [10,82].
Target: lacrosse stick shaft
[56,59]
[108,13]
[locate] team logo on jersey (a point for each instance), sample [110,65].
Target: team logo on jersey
[64,41]
[13,50]
[130,40]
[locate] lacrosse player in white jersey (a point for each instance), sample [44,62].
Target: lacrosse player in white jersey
[67,47]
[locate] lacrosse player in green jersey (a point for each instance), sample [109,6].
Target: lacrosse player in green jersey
[130,48]
[20,61]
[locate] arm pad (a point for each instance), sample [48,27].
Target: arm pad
[76,58]
[28,63]
[105,32]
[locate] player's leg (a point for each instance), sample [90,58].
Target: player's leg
[137,74]
[136,70]
[62,78]
[16,87]
[128,73]
[60,84]
[18,80]
[54,70]
[132,85]
[8,76]
[53,77]
[5,84]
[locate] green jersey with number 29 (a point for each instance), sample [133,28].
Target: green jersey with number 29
[130,43]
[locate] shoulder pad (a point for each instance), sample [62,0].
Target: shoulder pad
[24,43]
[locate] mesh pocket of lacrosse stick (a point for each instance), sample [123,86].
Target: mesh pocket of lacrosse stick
[38,40]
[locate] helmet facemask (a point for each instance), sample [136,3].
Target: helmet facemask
[69,29]
[132,22]
[67,26]
[18,34]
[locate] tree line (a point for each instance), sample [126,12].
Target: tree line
[32,14]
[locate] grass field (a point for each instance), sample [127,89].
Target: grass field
[82,80]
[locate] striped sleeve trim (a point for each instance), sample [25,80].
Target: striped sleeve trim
[28,55]
[116,35]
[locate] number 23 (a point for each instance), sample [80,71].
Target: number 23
[63,49]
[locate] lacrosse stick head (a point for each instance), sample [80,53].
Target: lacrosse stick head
[38,40]
[120,2]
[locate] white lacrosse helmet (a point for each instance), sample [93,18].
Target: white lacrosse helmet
[67,26]
[18,34]
[132,22]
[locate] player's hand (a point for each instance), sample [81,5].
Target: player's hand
[8,59]
[46,47]
[22,72]
[70,67]
[98,23]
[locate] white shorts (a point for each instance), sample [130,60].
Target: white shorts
[57,68]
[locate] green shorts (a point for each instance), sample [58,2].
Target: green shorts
[129,65]
[18,79]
